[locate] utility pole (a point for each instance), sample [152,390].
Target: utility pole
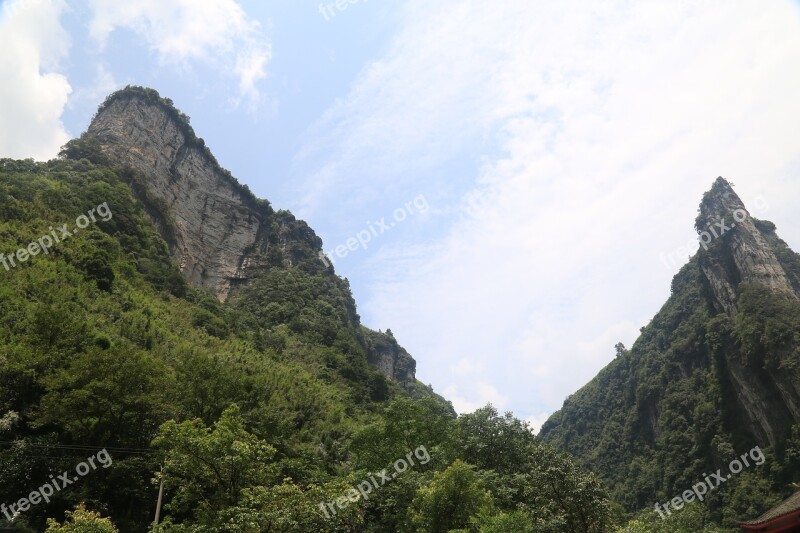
[160,497]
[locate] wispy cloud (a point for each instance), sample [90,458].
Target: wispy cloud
[218,32]
[590,135]
[102,85]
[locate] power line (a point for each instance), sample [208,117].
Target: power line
[77,447]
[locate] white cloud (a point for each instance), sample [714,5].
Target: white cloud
[480,396]
[465,366]
[32,94]
[536,421]
[250,69]
[103,84]
[181,31]
[610,122]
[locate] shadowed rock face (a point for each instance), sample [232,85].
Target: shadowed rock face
[717,367]
[390,358]
[769,400]
[739,251]
[220,235]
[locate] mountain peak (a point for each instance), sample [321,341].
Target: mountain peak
[734,250]
[719,202]
[714,373]
[217,230]
[220,235]
[149,103]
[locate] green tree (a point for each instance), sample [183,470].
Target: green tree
[620,349]
[82,521]
[693,518]
[405,425]
[206,469]
[106,396]
[290,509]
[494,442]
[563,498]
[503,522]
[450,500]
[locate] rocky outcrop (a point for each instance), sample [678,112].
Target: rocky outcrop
[768,401]
[738,249]
[738,252]
[220,235]
[385,354]
[715,371]
[220,232]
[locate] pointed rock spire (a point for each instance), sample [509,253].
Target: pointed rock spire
[734,250]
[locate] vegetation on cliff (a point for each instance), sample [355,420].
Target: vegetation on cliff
[254,412]
[669,410]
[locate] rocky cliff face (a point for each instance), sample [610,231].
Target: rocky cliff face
[744,254]
[221,233]
[385,354]
[715,372]
[738,251]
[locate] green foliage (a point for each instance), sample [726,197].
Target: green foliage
[693,518]
[287,507]
[503,522]
[259,409]
[450,500]
[560,497]
[207,468]
[494,442]
[104,396]
[211,324]
[670,408]
[82,521]
[768,330]
[84,147]
[405,425]
[748,495]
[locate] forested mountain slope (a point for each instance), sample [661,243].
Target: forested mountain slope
[160,323]
[714,374]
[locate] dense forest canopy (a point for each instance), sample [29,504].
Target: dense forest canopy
[255,413]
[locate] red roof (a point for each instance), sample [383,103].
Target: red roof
[783,518]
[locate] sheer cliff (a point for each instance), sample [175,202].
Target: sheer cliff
[738,251]
[715,372]
[220,235]
[175,317]
[221,232]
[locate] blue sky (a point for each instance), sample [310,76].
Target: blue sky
[538,165]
